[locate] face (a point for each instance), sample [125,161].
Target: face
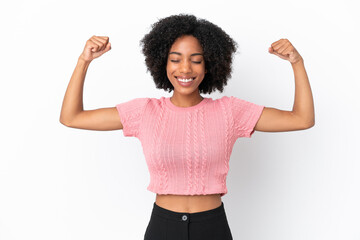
[186,62]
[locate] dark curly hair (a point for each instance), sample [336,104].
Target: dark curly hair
[218,48]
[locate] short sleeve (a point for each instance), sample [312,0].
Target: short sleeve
[246,115]
[130,113]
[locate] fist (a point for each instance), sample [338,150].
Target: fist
[285,50]
[95,47]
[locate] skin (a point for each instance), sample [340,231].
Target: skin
[73,115]
[302,115]
[185,59]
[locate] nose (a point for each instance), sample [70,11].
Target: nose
[185,67]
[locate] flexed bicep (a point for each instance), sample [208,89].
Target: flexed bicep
[276,120]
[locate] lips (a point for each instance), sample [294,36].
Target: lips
[185,83]
[184,77]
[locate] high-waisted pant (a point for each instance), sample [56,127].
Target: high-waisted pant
[207,225]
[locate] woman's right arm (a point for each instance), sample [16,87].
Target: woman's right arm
[72,112]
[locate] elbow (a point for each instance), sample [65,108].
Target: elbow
[304,123]
[309,124]
[64,122]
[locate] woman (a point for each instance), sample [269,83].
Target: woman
[187,139]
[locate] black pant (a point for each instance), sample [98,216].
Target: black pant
[207,225]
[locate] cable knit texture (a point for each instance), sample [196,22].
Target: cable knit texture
[187,149]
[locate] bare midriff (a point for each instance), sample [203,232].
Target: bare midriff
[188,203]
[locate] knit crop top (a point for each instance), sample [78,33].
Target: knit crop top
[187,149]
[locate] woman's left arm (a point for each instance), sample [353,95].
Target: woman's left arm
[302,115]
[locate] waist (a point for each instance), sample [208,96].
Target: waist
[188,203]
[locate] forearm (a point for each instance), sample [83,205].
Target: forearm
[73,99]
[303,103]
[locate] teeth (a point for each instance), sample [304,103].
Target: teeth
[185,80]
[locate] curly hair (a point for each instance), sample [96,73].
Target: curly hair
[218,48]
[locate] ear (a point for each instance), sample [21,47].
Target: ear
[205,70]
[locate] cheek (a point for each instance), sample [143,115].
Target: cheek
[169,72]
[201,69]
[170,69]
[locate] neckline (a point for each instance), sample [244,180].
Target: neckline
[183,109]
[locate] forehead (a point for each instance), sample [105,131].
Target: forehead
[186,44]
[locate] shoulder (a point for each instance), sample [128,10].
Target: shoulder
[223,100]
[232,100]
[153,103]
[156,101]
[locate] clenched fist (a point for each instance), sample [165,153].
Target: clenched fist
[95,47]
[285,50]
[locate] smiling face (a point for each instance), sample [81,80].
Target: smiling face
[186,62]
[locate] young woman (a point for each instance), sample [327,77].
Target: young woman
[187,139]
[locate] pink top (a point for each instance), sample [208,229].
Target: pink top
[187,149]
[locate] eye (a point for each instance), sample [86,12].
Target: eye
[174,61]
[197,62]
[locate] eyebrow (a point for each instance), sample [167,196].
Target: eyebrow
[194,54]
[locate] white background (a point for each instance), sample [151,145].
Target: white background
[64,183]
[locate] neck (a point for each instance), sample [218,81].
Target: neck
[186,100]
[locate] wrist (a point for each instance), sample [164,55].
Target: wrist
[82,60]
[300,61]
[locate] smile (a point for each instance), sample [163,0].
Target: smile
[185,79]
